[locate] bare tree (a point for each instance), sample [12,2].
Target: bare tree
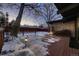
[16,25]
[47,12]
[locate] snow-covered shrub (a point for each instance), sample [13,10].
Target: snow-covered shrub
[24,52]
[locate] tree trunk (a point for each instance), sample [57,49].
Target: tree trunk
[18,19]
[50,29]
[16,25]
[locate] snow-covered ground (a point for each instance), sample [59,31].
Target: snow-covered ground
[35,45]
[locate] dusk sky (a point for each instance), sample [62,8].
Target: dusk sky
[26,19]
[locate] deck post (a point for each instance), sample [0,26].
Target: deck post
[1,39]
[76,28]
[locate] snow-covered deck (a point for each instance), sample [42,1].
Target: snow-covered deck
[38,44]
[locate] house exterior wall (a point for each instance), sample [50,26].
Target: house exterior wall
[62,26]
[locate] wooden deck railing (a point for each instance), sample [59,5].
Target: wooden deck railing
[62,48]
